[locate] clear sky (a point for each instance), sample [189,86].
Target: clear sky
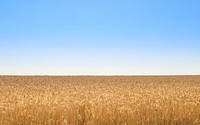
[99,37]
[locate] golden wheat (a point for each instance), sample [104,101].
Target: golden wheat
[167,100]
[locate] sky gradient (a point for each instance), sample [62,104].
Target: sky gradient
[99,37]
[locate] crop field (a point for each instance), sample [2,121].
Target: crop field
[99,100]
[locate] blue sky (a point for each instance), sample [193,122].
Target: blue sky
[99,37]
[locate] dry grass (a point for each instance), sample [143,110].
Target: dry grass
[100,100]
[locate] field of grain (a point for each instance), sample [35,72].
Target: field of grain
[87,100]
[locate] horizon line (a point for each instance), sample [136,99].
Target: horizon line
[30,75]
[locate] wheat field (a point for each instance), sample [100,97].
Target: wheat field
[100,100]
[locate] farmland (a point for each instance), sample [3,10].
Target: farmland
[99,100]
